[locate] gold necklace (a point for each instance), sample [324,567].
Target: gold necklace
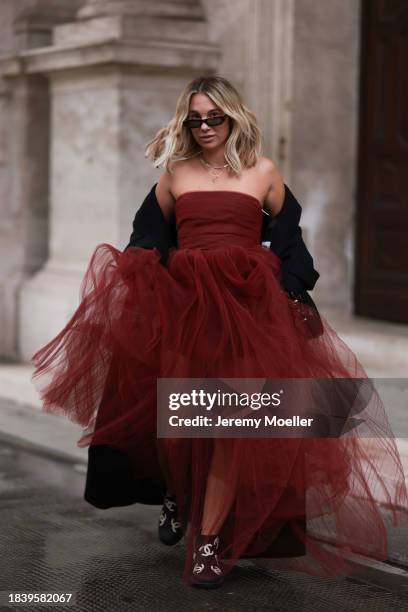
[213,169]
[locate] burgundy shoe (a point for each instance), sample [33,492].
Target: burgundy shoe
[207,572]
[170,531]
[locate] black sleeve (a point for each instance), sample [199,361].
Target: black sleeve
[285,236]
[150,229]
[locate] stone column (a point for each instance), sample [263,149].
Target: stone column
[34,23]
[269,74]
[301,77]
[114,81]
[324,138]
[24,120]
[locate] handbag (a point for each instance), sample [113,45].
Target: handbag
[305,314]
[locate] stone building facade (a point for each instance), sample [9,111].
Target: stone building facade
[84,84]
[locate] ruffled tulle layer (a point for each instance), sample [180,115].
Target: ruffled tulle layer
[221,312]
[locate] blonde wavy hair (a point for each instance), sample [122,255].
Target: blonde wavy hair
[175,142]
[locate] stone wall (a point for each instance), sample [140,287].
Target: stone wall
[324,138]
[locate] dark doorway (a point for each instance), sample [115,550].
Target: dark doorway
[381,274]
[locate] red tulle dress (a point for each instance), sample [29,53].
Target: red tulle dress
[218,310]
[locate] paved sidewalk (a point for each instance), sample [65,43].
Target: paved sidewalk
[33,428]
[111,560]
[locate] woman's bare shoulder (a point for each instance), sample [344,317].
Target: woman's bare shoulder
[266,165]
[272,179]
[164,195]
[166,187]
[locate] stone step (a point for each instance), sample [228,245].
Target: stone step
[382,347]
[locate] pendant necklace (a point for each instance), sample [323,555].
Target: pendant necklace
[213,170]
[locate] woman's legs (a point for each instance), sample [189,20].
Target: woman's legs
[221,482]
[221,487]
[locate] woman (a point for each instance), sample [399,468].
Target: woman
[219,307]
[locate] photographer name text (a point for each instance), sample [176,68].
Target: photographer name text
[266,421]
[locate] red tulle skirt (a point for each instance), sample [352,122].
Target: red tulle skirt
[222,312]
